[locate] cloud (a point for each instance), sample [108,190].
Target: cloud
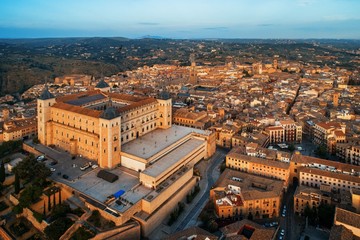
[148,23]
[215,28]
[265,25]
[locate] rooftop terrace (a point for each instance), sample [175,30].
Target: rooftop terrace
[152,143]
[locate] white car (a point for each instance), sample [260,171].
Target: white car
[84,167]
[52,169]
[282,232]
[95,166]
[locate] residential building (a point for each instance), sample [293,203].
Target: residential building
[19,129]
[189,118]
[349,220]
[239,194]
[284,131]
[260,161]
[328,134]
[311,197]
[246,229]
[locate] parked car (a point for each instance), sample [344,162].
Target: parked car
[53,163]
[84,167]
[41,158]
[65,176]
[95,166]
[52,169]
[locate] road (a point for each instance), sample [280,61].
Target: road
[288,222]
[214,163]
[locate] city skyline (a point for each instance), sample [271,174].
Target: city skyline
[181,19]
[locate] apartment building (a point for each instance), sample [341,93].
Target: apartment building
[350,152]
[239,194]
[307,196]
[284,131]
[19,129]
[329,134]
[260,161]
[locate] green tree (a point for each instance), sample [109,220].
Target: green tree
[326,214]
[59,195]
[30,195]
[213,226]
[2,172]
[321,151]
[31,170]
[49,203]
[291,147]
[56,229]
[17,183]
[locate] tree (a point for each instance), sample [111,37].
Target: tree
[2,172]
[59,195]
[49,203]
[321,151]
[291,147]
[30,195]
[31,170]
[56,229]
[326,214]
[17,183]
[54,200]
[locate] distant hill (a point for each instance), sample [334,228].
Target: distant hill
[25,62]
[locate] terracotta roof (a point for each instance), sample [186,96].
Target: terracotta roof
[125,97]
[271,163]
[136,105]
[268,187]
[329,125]
[77,109]
[196,232]
[339,232]
[302,159]
[235,231]
[326,173]
[70,97]
[347,217]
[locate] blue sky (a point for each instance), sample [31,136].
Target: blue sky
[181,18]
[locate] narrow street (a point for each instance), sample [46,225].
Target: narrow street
[196,208]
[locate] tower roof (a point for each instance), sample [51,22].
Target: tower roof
[109,113]
[46,94]
[102,84]
[164,95]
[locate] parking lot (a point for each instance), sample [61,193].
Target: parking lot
[64,164]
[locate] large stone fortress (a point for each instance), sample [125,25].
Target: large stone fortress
[134,132]
[95,124]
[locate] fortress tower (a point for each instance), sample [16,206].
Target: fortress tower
[44,103]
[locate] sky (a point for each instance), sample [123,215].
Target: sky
[180,18]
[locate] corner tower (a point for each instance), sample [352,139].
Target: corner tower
[165,113]
[44,103]
[109,139]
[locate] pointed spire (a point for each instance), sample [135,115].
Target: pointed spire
[46,94]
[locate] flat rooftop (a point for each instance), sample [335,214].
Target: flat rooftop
[169,159]
[154,142]
[99,189]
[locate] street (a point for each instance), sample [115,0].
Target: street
[213,163]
